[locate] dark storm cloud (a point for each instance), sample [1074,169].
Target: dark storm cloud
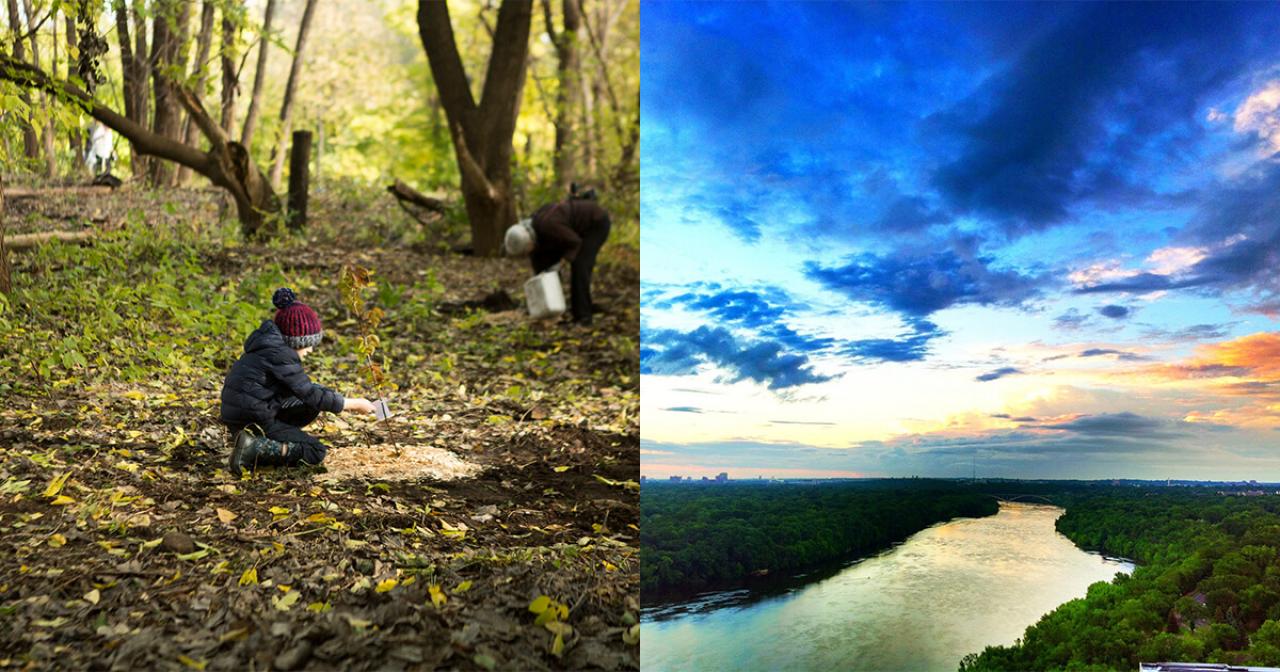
[1238,225]
[1120,354]
[672,352]
[918,285]
[1110,88]
[1117,424]
[1114,312]
[764,312]
[998,374]
[912,346]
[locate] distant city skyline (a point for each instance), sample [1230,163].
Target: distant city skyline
[902,239]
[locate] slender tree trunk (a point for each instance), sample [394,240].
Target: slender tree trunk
[568,90]
[74,142]
[44,139]
[481,133]
[591,130]
[135,75]
[259,77]
[286,108]
[230,75]
[204,43]
[30,141]
[6,285]
[169,35]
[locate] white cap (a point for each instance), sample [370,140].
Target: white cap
[519,240]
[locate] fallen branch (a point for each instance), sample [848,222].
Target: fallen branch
[16,193]
[27,241]
[404,192]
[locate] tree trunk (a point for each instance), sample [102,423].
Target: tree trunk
[46,138]
[204,42]
[30,141]
[286,108]
[568,90]
[6,285]
[299,160]
[225,163]
[230,72]
[481,133]
[75,142]
[259,77]
[135,75]
[169,35]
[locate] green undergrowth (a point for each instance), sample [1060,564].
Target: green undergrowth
[145,302]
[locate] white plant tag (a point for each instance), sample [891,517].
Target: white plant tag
[380,410]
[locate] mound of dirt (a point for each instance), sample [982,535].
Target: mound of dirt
[393,462]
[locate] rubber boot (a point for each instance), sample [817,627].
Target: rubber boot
[254,451]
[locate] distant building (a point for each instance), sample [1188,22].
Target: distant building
[722,477]
[675,479]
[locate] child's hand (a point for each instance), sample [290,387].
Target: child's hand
[357,405]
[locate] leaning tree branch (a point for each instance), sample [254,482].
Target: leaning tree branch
[469,166]
[146,142]
[212,130]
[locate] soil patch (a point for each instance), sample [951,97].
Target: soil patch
[392,462]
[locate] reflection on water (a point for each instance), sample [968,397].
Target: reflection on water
[947,591]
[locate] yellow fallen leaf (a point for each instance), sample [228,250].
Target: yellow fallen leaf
[284,602]
[437,596]
[93,596]
[62,500]
[57,540]
[191,662]
[226,516]
[55,486]
[384,586]
[462,587]
[560,470]
[250,577]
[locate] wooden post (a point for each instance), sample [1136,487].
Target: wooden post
[299,177]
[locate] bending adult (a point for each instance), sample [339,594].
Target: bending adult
[572,230]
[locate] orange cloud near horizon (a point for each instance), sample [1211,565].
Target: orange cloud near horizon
[1247,367]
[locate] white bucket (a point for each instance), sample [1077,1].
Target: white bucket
[544,296]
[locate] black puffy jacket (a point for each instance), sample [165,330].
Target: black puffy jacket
[268,373]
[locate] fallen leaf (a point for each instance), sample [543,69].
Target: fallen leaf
[384,586]
[93,596]
[437,596]
[250,577]
[286,601]
[226,516]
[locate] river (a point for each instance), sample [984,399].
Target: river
[945,592]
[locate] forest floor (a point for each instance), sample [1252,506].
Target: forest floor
[127,545]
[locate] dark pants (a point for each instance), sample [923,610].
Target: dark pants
[287,426]
[580,273]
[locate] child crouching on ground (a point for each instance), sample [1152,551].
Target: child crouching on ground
[267,398]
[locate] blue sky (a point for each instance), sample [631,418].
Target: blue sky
[897,239]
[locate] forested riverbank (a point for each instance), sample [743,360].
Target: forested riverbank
[696,538]
[1207,588]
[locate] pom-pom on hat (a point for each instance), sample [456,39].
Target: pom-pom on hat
[297,321]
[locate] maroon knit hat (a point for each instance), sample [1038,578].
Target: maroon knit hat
[297,322]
